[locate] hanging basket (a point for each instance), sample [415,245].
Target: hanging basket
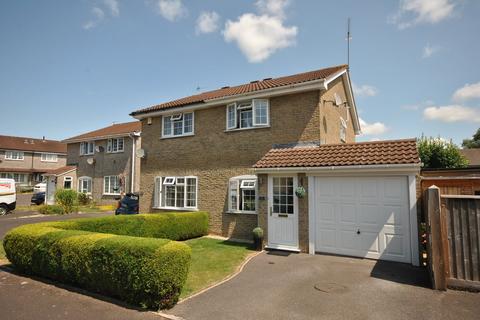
[300,192]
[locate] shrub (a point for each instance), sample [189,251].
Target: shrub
[67,199]
[124,258]
[257,233]
[50,209]
[438,153]
[83,199]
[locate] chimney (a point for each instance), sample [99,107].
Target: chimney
[43,139]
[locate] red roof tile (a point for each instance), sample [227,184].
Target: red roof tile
[61,170]
[114,129]
[245,88]
[347,154]
[31,144]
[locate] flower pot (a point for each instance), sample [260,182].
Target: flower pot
[258,243]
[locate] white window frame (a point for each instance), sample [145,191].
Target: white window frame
[113,145]
[44,157]
[68,179]
[9,155]
[15,176]
[160,192]
[80,184]
[239,184]
[90,148]
[107,187]
[254,104]
[177,118]
[343,130]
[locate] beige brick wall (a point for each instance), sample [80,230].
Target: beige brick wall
[106,164]
[330,114]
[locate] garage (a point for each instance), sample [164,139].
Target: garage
[363,216]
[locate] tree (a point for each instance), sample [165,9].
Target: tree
[439,153]
[472,143]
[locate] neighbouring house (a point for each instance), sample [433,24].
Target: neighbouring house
[27,159]
[106,160]
[61,178]
[472,155]
[280,153]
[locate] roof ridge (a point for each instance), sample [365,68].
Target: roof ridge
[31,138]
[346,144]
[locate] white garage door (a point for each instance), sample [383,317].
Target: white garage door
[363,217]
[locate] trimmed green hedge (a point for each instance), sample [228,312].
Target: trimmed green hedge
[124,258]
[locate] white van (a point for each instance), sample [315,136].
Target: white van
[8,196]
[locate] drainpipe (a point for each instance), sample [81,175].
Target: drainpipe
[134,137]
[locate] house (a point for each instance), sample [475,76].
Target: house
[267,153]
[472,155]
[27,159]
[106,161]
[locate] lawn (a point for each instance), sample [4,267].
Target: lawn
[212,260]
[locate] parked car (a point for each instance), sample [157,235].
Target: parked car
[128,204]
[40,187]
[8,196]
[38,198]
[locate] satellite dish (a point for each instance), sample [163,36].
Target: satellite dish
[90,161]
[98,148]
[141,153]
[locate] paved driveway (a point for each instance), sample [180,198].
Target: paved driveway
[300,286]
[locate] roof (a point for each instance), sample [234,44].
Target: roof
[117,129]
[473,156]
[253,86]
[32,144]
[61,170]
[347,154]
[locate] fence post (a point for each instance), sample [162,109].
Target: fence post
[436,259]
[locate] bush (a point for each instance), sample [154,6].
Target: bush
[67,199]
[83,199]
[438,153]
[50,209]
[124,257]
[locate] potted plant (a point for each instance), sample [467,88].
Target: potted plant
[258,238]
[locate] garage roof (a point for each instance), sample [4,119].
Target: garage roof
[347,154]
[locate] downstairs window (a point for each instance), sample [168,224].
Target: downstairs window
[176,192]
[242,194]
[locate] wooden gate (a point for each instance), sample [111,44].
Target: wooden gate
[454,234]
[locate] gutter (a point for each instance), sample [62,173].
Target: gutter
[405,167]
[96,138]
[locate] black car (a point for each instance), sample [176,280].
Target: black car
[38,198]
[128,204]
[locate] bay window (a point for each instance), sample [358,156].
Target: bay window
[176,192]
[248,114]
[178,125]
[242,194]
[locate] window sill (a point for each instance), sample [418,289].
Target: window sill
[179,136]
[241,212]
[87,154]
[175,209]
[110,152]
[14,159]
[48,161]
[111,194]
[251,128]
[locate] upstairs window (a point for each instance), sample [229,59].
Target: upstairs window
[343,130]
[14,155]
[176,192]
[242,194]
[178,125]
[87,148]
[115,145]
[249,114]
[49,157]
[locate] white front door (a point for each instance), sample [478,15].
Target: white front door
[283,213]
[363,216]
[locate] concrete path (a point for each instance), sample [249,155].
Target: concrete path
[301,286]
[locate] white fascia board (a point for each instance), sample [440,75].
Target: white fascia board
[351,98]
[384,168]
[110,136]
[267,93]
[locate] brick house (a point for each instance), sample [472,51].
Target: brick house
[27,159]
[205,152]
[106,161]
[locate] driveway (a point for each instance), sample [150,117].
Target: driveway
[300,286]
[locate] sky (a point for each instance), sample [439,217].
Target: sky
[68,67]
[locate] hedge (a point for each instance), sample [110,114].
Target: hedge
[127,258]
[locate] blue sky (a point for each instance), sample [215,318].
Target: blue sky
[67,67]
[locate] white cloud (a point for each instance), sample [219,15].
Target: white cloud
[112,5]
[413,12]
[364,90]
[275,8]
[98,14]
[258,37]
[376,128]
[428,50]
[207,22]
[452,113]
[415,107]
[467,92]
[171,9]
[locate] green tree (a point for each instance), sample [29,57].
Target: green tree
[438,153]
[472,143]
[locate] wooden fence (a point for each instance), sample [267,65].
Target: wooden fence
[454,239]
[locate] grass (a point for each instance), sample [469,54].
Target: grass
[212,260]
